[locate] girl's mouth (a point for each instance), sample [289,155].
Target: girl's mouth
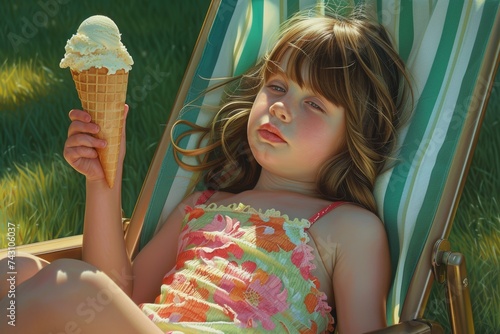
[271,133]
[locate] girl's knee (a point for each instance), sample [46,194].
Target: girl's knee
[25,266]
[80,275]
[69,271]
[61,276]
[71,266]
[73,290]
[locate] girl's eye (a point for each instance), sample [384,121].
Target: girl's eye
[315,106]
[277,88]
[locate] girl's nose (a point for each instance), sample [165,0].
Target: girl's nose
[280,111]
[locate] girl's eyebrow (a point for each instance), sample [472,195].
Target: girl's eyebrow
[275,68]
[278,73]
[273,76]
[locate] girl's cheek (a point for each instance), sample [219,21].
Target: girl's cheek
[312,127]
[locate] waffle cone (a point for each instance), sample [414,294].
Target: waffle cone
[103,97]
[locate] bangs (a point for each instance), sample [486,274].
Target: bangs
[313,62]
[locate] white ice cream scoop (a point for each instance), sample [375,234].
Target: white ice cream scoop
[97,43]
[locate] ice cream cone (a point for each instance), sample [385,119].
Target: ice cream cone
[103,97]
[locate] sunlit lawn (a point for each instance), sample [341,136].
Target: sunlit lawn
[44,197]
[39,192]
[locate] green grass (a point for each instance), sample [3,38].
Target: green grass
[27,193]
[23,81]
[44,197]
[36,95]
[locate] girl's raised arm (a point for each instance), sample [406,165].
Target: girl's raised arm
[103,242]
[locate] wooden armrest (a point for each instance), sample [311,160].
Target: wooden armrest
[412,327]
[51,250]
[69,247]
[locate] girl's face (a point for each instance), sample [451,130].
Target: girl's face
[293,131]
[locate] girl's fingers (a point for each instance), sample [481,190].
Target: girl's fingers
[80,149]
[79,115]
[81,123]
[85,140]
[73,154]
[82,127]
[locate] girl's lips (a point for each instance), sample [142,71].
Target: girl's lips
[271,133]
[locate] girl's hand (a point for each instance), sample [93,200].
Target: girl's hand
[80,147]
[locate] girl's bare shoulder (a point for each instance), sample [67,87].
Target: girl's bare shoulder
[349,223]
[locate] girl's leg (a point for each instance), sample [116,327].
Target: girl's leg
[25,267]
[70,296]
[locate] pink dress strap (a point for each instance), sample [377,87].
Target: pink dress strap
[324,211]
[204,197]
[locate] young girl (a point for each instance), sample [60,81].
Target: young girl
[287,231]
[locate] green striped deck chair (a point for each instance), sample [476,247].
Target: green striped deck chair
[451,49]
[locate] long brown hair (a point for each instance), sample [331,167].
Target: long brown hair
[351,62]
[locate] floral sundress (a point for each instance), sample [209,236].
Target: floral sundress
[241,270]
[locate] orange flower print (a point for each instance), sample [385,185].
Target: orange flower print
[184,301]
[315,301]
[270,234]
[186,310]
[194,213]
[253,301]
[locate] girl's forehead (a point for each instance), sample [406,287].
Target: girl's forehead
[293,70]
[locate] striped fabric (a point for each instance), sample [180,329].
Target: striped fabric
[443,44]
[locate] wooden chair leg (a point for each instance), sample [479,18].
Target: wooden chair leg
[450,269]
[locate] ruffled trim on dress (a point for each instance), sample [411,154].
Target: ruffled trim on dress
[302,256]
